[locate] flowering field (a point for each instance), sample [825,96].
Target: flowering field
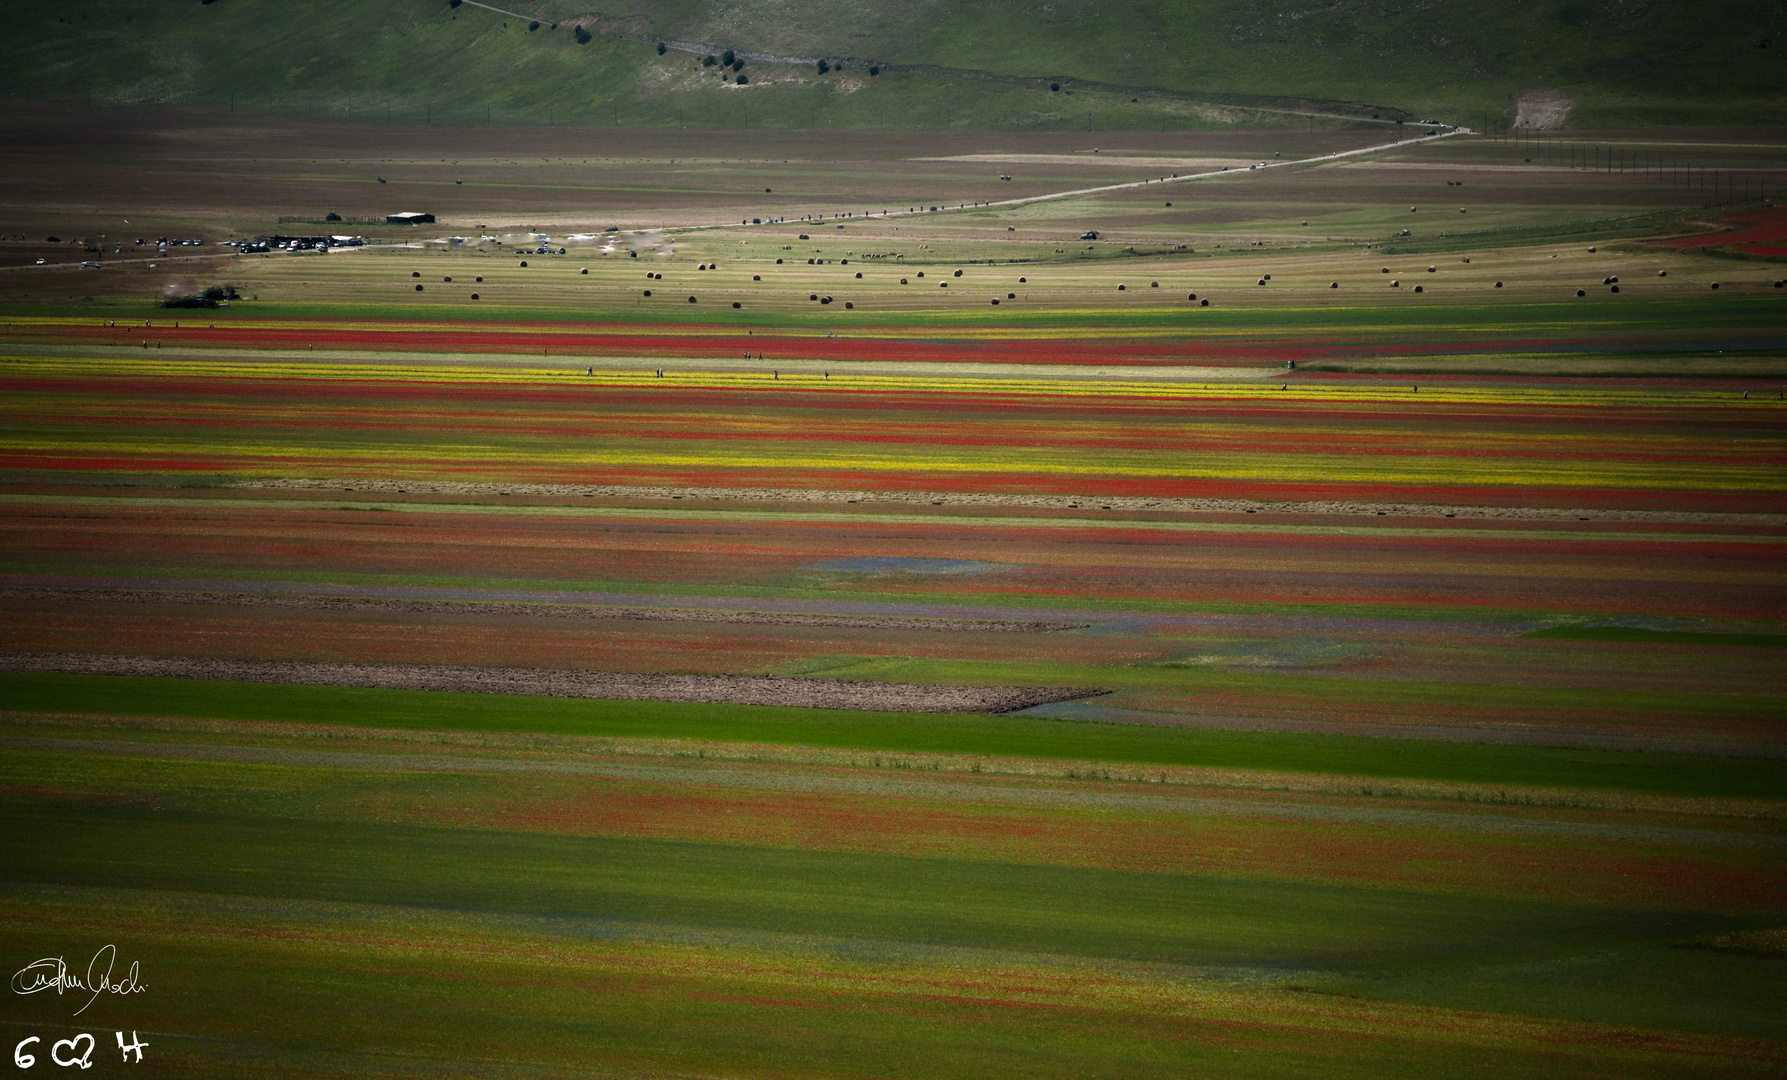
[1430,716]
[1677,448]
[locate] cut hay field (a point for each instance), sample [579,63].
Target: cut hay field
[1422,649]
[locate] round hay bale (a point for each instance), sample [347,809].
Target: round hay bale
[474,296]
[736,304]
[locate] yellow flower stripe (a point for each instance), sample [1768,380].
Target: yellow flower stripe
[844,381]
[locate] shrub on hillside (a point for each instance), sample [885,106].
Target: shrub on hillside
[824,67]
[210,298]
[660,48]
[535,25]
[582,36]
[727,57]
[707,61]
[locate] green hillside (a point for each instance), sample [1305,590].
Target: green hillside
[991,64]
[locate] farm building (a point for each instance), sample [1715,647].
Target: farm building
[409,217]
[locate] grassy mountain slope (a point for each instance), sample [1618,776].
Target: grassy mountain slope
[983,64]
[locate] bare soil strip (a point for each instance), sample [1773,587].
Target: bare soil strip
[544,610]
[626,686]
[1057,502]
